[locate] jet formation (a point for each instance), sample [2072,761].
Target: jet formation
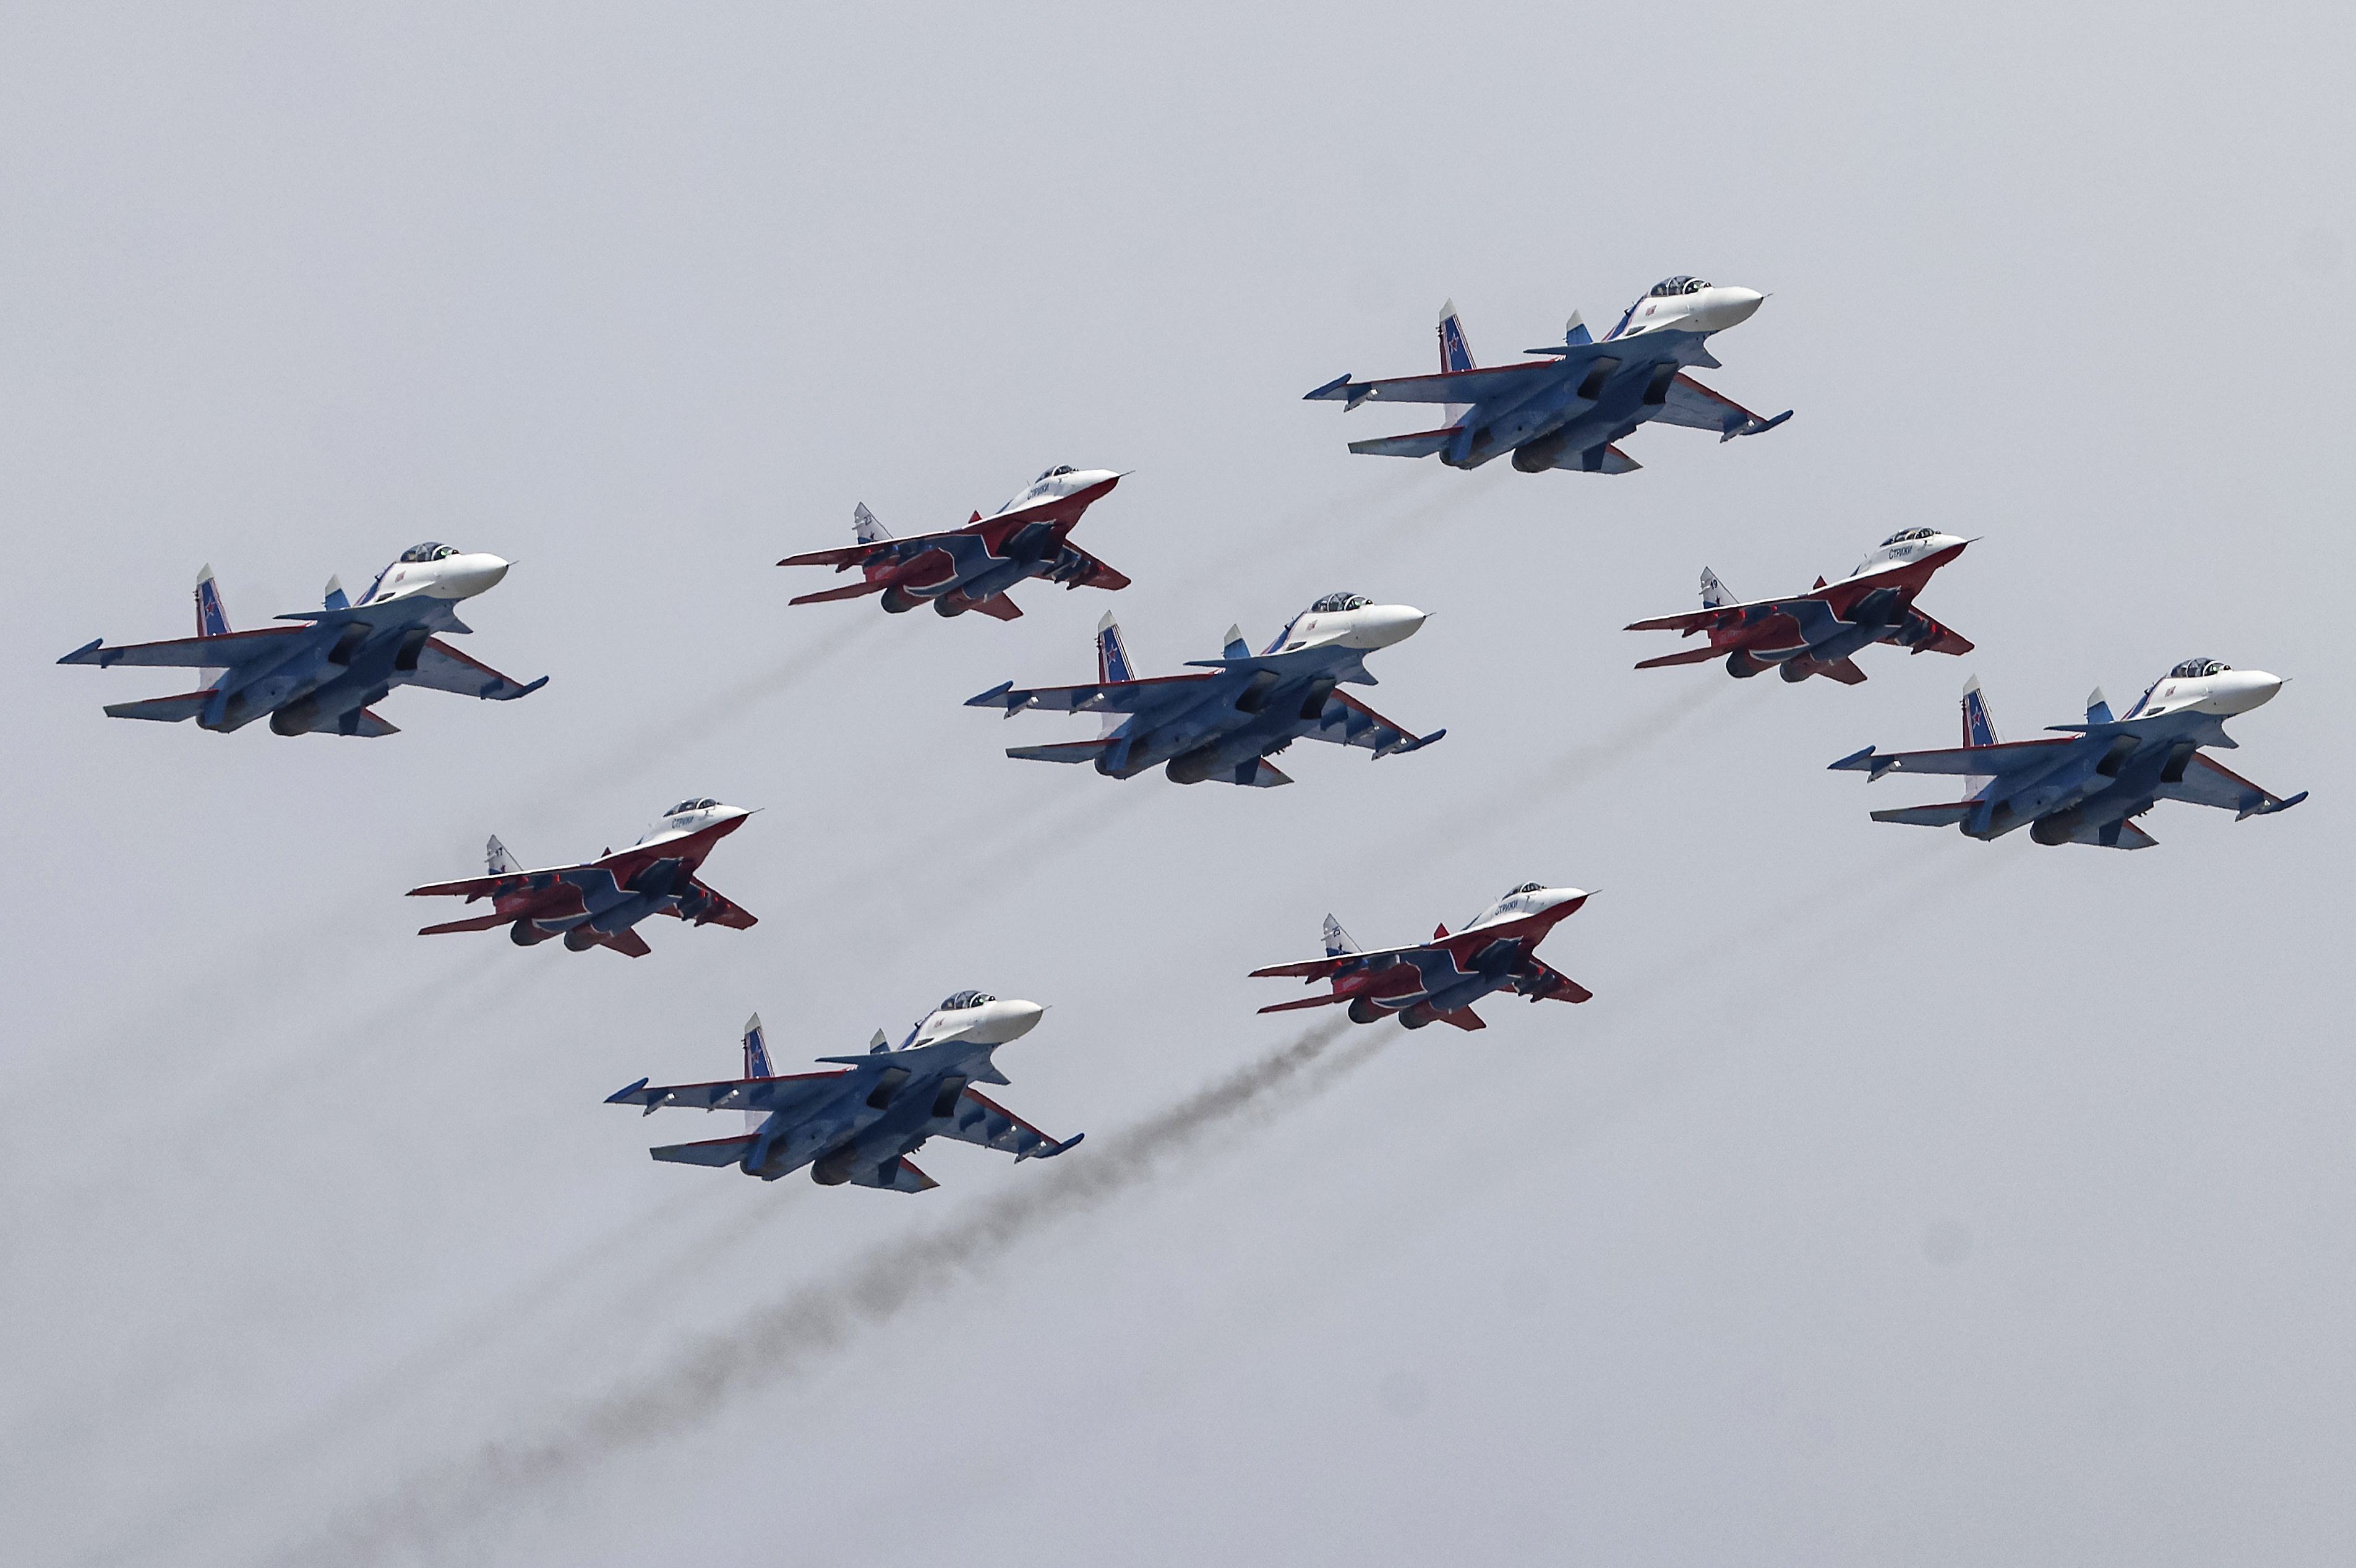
[1439,979]
[1222,719]
[1817,632]
[1568,410]
[971,568]
[322,677]
[600,902]
[1224,724]
[2088,783]
[859,1124]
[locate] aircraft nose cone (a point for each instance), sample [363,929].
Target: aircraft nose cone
[2253,688]
[470,575]
[1005,1021]
[1386,624]
[1731,307]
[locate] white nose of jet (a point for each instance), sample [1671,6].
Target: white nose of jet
[463,577]
[999,1022]
[1715,309]
[2239,690]
[1379,626]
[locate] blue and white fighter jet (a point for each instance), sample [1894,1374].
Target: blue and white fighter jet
[1248,707]
[321,678]
[859,1124]
[2087,784]
[1567,410]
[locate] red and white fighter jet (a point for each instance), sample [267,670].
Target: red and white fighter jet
[1815,633]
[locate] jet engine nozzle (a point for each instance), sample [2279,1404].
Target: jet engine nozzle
[1714,309]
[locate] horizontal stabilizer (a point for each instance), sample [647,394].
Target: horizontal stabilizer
[898,1174]
[1844,671]
[712,1152]
[479,923]
[626,943]
[166,710]
[1463,1018]
[1422,444]
[1326,1001]
[998,607]
[1068,751]
[1691,655]
[855,590]
[1929,816]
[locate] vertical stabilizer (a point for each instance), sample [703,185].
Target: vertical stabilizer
[1978,728]
[1713,592]
[756,1064]
[336,599]
[1236,647]
[864,526]
[1337,941]
[2098,707]
[496,859]
[1113,658]
[211,619]
[1575,332]
[1455,352]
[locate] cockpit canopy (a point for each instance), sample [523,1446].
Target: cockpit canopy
[958,1001]
[1054,473]
[1903,534]
[417,554]
[1525,887]
[2192,669]
[686,806]
[1681,284]
[1334,603]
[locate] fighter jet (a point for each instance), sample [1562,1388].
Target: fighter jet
[1815,633]
[2086,785]
[971,568]
[598,904]
[1567,410]
[1440,979]
[322,677]
[859,1124]
[1224,725]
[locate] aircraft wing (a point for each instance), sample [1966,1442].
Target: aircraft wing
[2206,783]
[1107,697]
[444,669]
[1461,947]
[851,556]
[717,909]
[1088,571]
[1499,381]
[1543,983]
[793,1091]
[225,651]
[2012,757]
[495,886]
[1694,405]
[977,1119]
[1345,721]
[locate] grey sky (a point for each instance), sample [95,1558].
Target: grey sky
[1898,1198]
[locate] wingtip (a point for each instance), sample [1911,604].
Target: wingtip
[620,1095]
[1851,760]
[84,650]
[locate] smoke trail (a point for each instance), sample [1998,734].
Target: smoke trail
[640,748]
[1577,764]
[782,1340]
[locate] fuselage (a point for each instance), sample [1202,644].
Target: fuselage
[871,1121]
[1420,983]
[326,674]
[1872,604]
[955,571]
[2114,770]
[1606,395]
[605,904]
[1231,719]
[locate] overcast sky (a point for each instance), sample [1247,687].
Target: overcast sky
[1897,1198]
